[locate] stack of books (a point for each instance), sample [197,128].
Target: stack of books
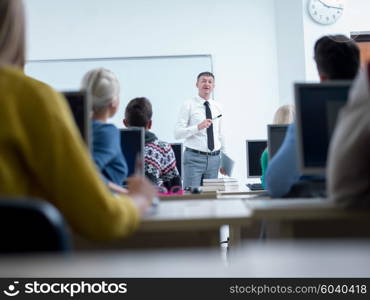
[220,184]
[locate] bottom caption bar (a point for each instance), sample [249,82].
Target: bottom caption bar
[184,288]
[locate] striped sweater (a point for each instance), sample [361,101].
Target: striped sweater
[160,162]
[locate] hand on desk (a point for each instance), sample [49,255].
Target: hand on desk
[142,192]
[205,124]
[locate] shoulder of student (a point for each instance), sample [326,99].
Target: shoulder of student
[26,84]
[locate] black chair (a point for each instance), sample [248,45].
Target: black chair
[31,225]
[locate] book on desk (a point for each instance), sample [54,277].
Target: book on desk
[220,184]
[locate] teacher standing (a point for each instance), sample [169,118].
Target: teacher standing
[199,124]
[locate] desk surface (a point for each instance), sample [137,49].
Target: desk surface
[240,193]
[173,215]
[182,223]
[346,258]
[300,208]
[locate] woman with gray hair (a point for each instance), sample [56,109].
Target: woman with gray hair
[102,89]
[38,136]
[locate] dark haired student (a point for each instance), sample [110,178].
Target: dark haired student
[337,58]
[160,161]
[200,127]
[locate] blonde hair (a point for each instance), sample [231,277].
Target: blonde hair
[12,33]
[102,87]
[285,114]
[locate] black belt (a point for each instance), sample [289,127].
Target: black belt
[214,153]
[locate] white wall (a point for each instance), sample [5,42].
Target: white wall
[290,47]
[239,34]
[356,17]
[297,34]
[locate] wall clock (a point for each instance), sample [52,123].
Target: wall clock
[325,12]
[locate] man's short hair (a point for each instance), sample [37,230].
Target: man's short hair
[205,74]
[337,57]
[138,112]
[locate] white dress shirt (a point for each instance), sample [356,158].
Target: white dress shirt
[192,113]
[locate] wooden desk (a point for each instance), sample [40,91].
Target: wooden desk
[344,258]
[182,223]
[215,195]
[239,194]
[242,191]
[243,195]
[309,218]
[189,196]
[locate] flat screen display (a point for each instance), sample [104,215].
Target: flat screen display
[254,152]
[318,106]
[80,111]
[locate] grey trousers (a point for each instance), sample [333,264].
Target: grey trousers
[198,166]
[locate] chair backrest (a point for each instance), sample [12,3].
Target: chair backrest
[178,151]
[31,225]
[132,145]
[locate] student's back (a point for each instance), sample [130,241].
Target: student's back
[337,58]
[285,114]
[42,153]
[102,89]
[160,160]
[349,159]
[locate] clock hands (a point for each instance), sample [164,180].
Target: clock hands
[329,6]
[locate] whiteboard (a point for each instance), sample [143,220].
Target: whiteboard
[167,81]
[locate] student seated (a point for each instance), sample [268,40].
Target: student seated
[160,161]
[102,87]
[337,58]
[284,115]
[42,153]
[349,159]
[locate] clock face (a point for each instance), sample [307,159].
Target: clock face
[326,12]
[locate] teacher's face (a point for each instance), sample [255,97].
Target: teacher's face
[205,85]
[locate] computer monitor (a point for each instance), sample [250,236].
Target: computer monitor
[254,152]
[132,145]
[276,135]
[317,107]
[178,150]
[80,110]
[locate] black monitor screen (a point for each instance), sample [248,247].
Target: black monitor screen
[254,152]
[80,111]
[177,149]
[132,145]
[318,106]
[276,135]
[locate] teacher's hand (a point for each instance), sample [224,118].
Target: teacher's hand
[205,124]
[223,171]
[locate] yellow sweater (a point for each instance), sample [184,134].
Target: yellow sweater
[43,155]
